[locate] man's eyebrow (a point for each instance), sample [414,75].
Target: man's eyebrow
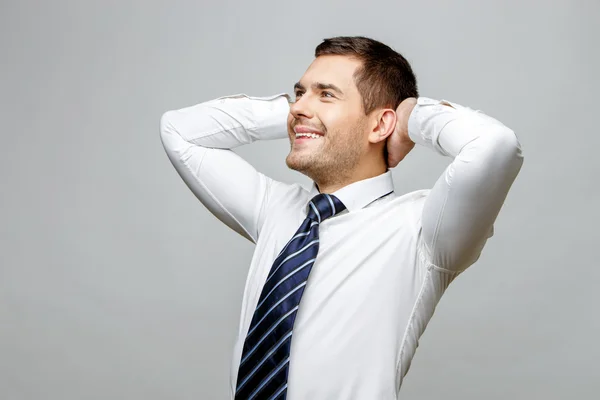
[319,86]
[327,86]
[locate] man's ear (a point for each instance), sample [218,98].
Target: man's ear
[384,124]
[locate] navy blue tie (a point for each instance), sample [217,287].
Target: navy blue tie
[265,358]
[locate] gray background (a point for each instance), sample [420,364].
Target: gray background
[116,283]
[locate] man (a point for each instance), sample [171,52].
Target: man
[378,262]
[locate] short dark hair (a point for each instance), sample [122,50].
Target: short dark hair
[385,78]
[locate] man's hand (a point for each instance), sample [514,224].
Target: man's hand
[399,143]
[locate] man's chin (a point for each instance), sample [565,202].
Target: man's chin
[297,163]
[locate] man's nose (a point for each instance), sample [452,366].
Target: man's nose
[302,108]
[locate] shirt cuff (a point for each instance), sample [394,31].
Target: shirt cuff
[267,115]
[426,121]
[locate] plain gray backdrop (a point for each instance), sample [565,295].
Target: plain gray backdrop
[115,282]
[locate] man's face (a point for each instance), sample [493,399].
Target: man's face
[327,124]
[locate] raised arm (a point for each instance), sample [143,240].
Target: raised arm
[460,211]
[197,140]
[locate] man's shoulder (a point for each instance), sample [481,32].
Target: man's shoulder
[287,195]
[408,208]
[415,198]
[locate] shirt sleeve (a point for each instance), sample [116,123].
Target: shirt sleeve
[198,139]
[459,213]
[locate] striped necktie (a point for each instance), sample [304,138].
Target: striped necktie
[265,358]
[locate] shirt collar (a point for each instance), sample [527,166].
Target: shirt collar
[361,193]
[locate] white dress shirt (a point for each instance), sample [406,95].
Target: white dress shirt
[383,264]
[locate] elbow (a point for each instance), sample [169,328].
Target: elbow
[166,126]
[506,146]
[168,132]
[169,136]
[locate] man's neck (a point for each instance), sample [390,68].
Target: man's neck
[358,175]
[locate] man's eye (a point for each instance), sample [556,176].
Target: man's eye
[328,94]
[298,94]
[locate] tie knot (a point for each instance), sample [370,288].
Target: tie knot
[323,206]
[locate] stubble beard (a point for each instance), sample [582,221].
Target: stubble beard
[331,163]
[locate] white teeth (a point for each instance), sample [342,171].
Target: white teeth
[310,135]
